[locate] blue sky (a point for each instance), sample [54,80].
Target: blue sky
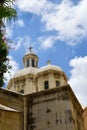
[57,31]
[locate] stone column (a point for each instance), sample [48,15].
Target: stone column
[30,62]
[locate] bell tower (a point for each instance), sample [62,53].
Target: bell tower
[30,59]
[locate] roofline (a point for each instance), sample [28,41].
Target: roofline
[64,87]
[10,92]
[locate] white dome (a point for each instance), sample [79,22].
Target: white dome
[30,53]
[25,71]
[31,70]
[50,67]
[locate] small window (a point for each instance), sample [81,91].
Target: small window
[33,63]
[57,83]
[56,121]
[48,110]
[21,91]
[46,85]
[28,63]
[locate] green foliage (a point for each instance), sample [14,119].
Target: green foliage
[6,13]
[3,58]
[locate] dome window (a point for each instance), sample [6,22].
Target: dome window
[57,83]
[21,91]
[46,85]
[33,65]
[28,63]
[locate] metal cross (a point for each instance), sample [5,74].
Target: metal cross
[48,62]
[30,49]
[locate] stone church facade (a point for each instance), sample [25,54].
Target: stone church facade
[39,99]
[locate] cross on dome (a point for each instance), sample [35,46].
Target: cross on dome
[49,62]
[30,48]
[30,59]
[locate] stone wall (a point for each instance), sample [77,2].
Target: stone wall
[10,120]
[11,99]
[54,109]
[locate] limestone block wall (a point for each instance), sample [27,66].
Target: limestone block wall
[11,99]
[51,77]
[52,111]
[10,120]
[30,85]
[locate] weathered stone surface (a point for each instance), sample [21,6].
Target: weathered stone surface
[85,118]
[11,99]
[40,99]
[53,110]
[10,120]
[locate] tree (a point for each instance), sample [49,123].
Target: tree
[7,13]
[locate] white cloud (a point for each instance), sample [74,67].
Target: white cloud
[26,42]
[9,31]
[20,22]
[13,70]
[46,42]
[78,79]
[19,43]
[10,27]
[22,42]
[31,6]
[67,19]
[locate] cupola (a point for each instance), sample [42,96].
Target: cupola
[30,59]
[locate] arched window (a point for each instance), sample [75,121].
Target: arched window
[28,63]
[57,83]
[21,91]
[33,65]
[46,85]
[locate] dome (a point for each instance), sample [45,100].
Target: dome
[30,53]
[30,59]
[26,71]
[50,67]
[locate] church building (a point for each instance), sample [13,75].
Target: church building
[39,99]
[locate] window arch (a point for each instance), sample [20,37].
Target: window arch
[46,85]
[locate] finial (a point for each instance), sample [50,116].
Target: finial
[48,62]
[30,49]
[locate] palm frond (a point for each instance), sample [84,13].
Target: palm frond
[8,13]
[6,2]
